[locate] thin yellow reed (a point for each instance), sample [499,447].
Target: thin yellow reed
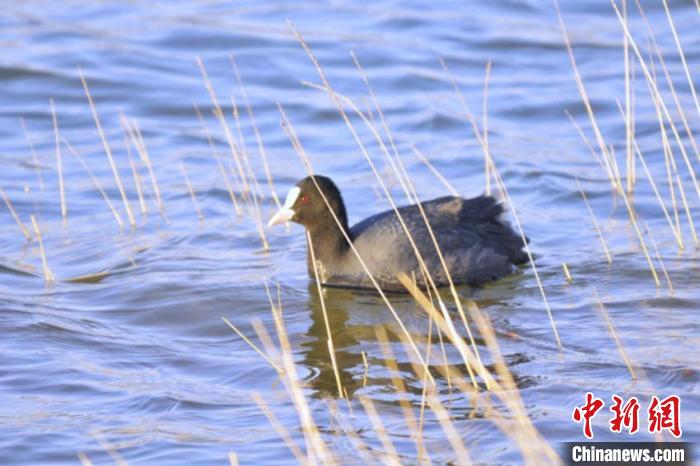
[253,345]
[97,184]
[613,333]
[391,455]
[48,275]
[135,174]
[193,196]
[220,164]
[11,208]
[279,428]
[108,150]
[331,348]
[35,158]
[595,223]
[485,128]
[681,54]
[59,162]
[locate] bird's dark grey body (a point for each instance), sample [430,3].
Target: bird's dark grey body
[476,244]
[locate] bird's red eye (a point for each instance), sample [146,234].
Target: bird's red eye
[304,199]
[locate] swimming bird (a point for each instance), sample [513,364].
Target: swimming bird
[476,243]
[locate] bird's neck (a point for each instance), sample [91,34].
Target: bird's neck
[330,246]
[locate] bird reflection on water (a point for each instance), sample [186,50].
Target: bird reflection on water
[355,317]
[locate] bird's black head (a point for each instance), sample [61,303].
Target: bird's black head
[307,204]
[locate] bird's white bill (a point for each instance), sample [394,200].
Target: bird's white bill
[286,213]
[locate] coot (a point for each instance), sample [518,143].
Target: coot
[477,245]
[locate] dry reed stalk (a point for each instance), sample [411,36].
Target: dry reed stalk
[35,158]
[435,172]
[336,99]
[475,127]
[243,150]
[316,449]
[385,125]
[681,54]
[48,275]
[264,337]
[485,127]
[219,163]
[279,428]
[261,146]
[613,333]
[444,357]
[391,457]
[628,102]
[676,231]
[451,433]
[307,164]
[595,223]
[687,209]
[97,184]
[400,387]
[633,218]
[424,379]
[191,191]
[219,114]
[669,163]
[253,345]
[356,441]
[671,185]
[607,158]
[315,443]
[567,274]
[109,448]
[84,460]
[135,174]
[503,189]
[658,256]
[629,126]
[614,164]
[108,151]
[10,207]
[331,349]
[585,140]
[134,133]
[257,218]
[366,366]
[59,162]
[656,92]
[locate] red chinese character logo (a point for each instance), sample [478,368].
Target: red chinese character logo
[665,414]
[586,413]
[627,415]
